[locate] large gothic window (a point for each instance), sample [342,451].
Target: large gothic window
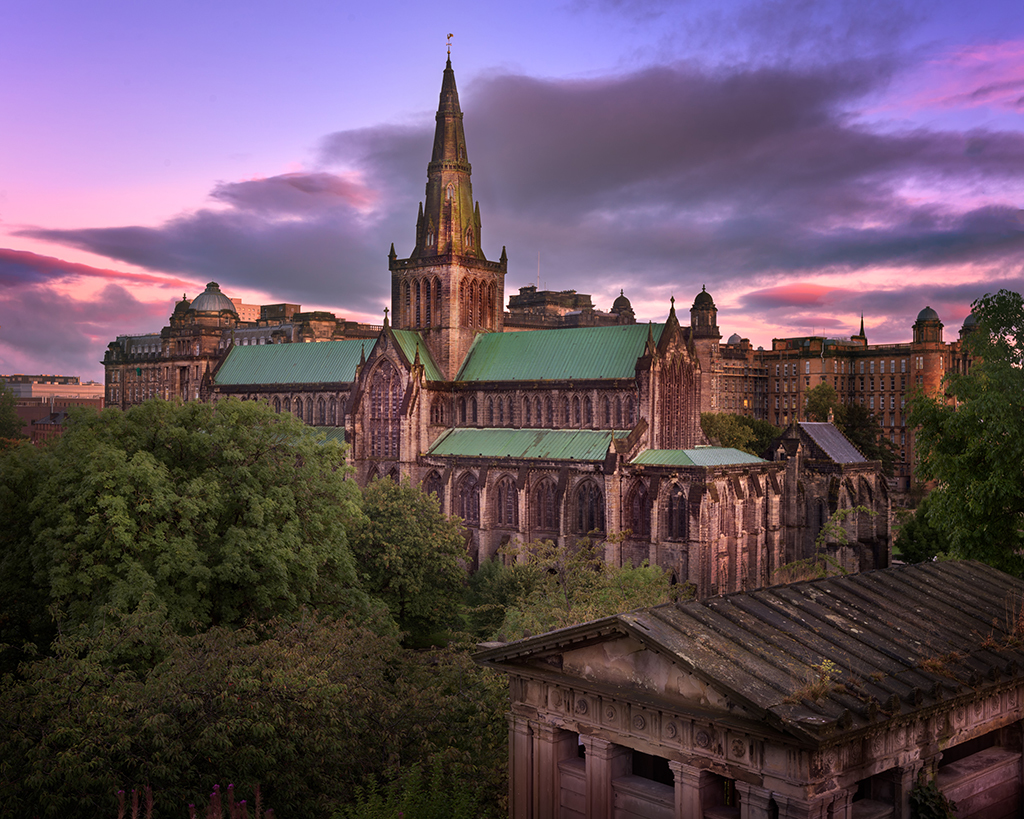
[309,411]
[606,411]
[638,511]
[588,508]
[433,486]
[287,404]
[426,303]
[469,500]
[550,418]
[277,404]
[536,412]
[321,412]
[576,415]
[332,412]
[545,510]
[437,412]
[588,412]
[490,412]
[384,408]
[678,518]
[527,413]
[618,413]
[508,504]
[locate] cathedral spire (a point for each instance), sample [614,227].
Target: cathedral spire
[449,222]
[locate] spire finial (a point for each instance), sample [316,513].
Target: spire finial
[450,47]
[385,316]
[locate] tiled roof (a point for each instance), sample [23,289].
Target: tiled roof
[312,363]
[899,640]
[558,355]
[409,341]
[699,456]
[836,445]
[545,444]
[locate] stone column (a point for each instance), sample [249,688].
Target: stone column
[688,780]
[550,746]
[520,767]
[605,761]
[754,800]
[904,779]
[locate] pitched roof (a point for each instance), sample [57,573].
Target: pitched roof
[558,355]
[832,442]
[882,645]
[409,341]
[541,444]
[313,363]
[698,456]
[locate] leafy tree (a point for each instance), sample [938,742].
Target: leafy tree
[971,440]
[764,433]
[918,539]
[822,400]
[725,429]
[312,709]
[411,556]
[209,513]
[10,423]
[573,584]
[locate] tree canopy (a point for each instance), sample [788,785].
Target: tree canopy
[10,423]
[971,440]
[738,431]
[410,556]
[212,514]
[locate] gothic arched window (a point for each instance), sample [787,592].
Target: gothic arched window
[678,517]
[536,412]
[434,486]
[630,412]
[490,412]
[426,303]
[332,412]
[550,413]
[527,412]
[437,411]
[566,415]
[507,516]
[606,411]
[638,511]
[321,412]
[469,500]
[384,409]
[588,508]
[309,411]
[501,413]
[545,509]
[277,404]
[576,416]
[511,417]
[462,411]
[472,409]
[287,404]
[588,412]
[618,412]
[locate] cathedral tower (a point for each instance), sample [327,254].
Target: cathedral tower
[447,290]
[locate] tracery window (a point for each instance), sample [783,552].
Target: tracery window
[469,500]
[321,412]
[508,504]
[606,411]
[536,412]
[287,404]
[437,411]
[384,409]
[277,404]
[501,413]
[511,417]
[332,412]
[588,509]
[298,408]
[472,409]
[426,303]
[309,411]
[545,509]
[630,411]
[434,486]
[638,511]
[490,412]
[678,520]
[576,415]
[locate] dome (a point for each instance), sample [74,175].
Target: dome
[970,322]
[927,315]
[703,299]
[621,304]
[182,306]
[211,300]
[734,339]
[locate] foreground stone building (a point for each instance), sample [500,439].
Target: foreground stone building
[826,699]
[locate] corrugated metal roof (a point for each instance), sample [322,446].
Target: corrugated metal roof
[409,341]
[312,363]
[546,444]
[836,445]
[699,456]
[900,640]
[558,355]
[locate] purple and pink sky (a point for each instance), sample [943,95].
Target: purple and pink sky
[805,160]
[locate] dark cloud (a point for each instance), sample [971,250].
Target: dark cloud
[657,181]
[19,267]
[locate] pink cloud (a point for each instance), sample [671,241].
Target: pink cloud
[18,266]
[797,294]
[987,75]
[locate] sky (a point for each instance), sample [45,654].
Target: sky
[807,161]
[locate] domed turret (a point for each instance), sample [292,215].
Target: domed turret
[182,306]
[621,303]
[928,327]
[703,300]
[970,323]
[704,316]
[927,315]
[211,300]
[734,339]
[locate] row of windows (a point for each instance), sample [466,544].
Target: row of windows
[839,366]
[323,413]
[501,411]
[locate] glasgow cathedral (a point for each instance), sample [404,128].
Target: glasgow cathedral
[554,420]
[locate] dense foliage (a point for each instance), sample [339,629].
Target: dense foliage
[971,440]
[918,538]
[212,514]
[10,424]
[410,556]
[738,431]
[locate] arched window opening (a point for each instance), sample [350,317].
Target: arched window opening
[321,412]
[618,413]
[287,404]
[416,314]
[606,411]
[630,412]
[426,303]
[490,412]
[678,517]
[472,407]
[566,414]
[508,504]
[277,404]
[536,412]
[550,418]
[545,510]
[469,500]
[437,412]
[462,411]
[501,413]
[588,412]
[527,412]
[576,415]
[638,510]
[309,411]
[588,509]
[332,412]
[433,486]
[511,417]
[384,411]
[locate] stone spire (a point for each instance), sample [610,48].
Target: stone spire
[449,219]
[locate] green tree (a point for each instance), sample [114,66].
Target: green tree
[864,430]
[764,433]
[572,584]
[724,429]
[10,423]
[971,440]
[918,539]
[411,556]
[209,513]
[823,400]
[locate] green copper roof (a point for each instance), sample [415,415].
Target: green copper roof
[409,341]
[310,363]
[558,355]
[545,444]
[699,456]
